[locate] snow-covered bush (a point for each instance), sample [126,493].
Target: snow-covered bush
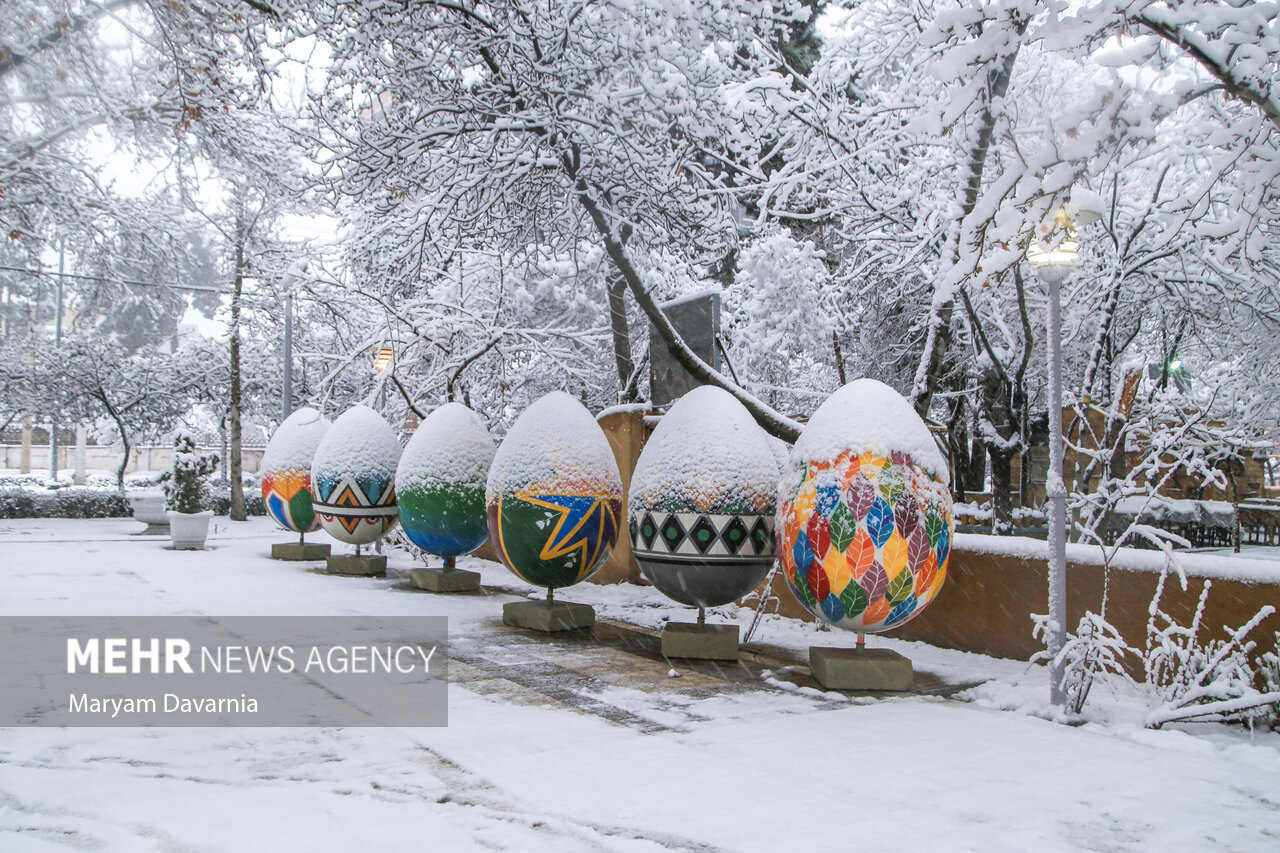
[16,503]
[1184,678]
[1269,674]
[1094,653]
[1190,680]
[184,481]
[217,497]
[63,503]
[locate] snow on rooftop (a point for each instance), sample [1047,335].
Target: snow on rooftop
[624,408]
[868,416]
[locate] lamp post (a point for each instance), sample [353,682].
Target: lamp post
[57,345]
[286,388]
[1053,264]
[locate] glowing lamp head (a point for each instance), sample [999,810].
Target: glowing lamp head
[383,360]
[1053,261]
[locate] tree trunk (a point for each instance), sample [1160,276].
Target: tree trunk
[124,439]
[938,336]
[1001,491]
[772,421]
[617,286]
[839,353]
[1234,484]
[968,455]
[234,464]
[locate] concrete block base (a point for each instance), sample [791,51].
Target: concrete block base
[548,616]
[700,642]
[154,530]
[300,551]
[436,580]
[860,669]
[365,565]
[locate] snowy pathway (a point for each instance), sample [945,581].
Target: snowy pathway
[572,744]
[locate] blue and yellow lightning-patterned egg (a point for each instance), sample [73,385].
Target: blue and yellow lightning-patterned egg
[554,494]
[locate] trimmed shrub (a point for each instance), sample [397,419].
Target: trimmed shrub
[80,502]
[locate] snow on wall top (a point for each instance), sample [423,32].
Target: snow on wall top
[1215,566]
[452,447]
[623,408]
[555,439]
[707,452]
[868,416]
[360,442]
[295,441]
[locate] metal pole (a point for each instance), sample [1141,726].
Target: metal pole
[57,345]
[286,392]
[82,450]
[1055,487]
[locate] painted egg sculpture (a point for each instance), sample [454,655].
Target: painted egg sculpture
[864,511]
[554,494]
[702,500]
[440,482]
[286,470]
[353,475]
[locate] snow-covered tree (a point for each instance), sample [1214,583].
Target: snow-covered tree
[509,125]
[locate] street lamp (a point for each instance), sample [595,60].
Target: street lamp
[381,362]
[1053,263]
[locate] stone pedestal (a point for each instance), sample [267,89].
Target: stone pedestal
[860,669]
[365,565]
[548,616]
[441,580]
[700,641]
[300,551]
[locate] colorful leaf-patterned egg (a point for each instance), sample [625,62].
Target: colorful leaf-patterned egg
[864,511]
[440,482]
[702,500]
[353,476]
[286,470]
[554,494]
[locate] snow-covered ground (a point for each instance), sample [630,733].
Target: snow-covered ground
[603,750]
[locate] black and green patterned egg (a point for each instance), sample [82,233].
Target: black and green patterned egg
[702,501]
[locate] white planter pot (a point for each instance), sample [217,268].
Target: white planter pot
[148,507]
[188,530]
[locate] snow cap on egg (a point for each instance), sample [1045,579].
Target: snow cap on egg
[353,477]
[707,453]
[870,417]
